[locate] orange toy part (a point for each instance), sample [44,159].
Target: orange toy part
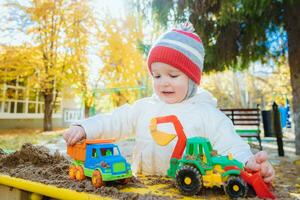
[97,179]
[72,172]
[77,151]
[181,142]
[79,173]
[100,141]
[254,179]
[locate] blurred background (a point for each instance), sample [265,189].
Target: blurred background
[65,60]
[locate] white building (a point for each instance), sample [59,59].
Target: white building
[22,107]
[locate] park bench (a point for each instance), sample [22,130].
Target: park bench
[246,122]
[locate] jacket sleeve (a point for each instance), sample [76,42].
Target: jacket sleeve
[119,124]
[224,138]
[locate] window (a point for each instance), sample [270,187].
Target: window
[109,151]
[21,94]
[12,107]
[32,95]
[103,151]
[31,107]
[191,150]
[116,151]
[200,149]
[94,153]
[17,98]
[20,107]
[57,109]
[6,106]
[2,91]
[41,108]
[10,93]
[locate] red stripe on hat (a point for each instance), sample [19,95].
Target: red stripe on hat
[175,59]
[189,34]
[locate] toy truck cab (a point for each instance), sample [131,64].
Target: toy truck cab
[201,149]
[108,159]
[200,154]
[99,159]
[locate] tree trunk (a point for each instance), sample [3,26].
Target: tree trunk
[292,26]
[86,110]
[48,110]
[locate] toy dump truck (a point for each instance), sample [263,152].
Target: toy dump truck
[99,159]
[201,166]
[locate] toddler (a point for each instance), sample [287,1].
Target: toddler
[175,62]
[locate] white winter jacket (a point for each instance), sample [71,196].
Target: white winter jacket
[198,116]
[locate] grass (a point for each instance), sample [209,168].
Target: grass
[13,139]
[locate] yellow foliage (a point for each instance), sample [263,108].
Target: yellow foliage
[123,62]
[244,89]
[18,61]
[60,32]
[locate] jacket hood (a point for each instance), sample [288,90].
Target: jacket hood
[202,96]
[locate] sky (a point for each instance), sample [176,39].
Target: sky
[9,19]
[115,8]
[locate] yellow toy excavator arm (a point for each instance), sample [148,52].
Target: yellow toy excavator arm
[161,138]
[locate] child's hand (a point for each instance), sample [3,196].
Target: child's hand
[74,134]
[259,162]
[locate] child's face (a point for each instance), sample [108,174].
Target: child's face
[170,84]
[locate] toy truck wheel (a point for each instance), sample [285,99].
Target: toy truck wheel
[188,180]
[235,187]
[79,173]
[124,181]
[97,179]
[72,172]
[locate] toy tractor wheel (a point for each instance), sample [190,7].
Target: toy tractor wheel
[80,173]
[97,179]
[235,187]
[188,180]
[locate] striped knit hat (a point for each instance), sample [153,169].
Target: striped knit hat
[182,49]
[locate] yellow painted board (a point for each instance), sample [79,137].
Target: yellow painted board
[164,190]
[47,190]
[62,193]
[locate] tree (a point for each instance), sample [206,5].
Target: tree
[60,31]
[123,62]
[247,88]
[17,61]
[237,32]
[81,29]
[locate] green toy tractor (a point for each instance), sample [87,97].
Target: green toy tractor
[195,165]
[200,166]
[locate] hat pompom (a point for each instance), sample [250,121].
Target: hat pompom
[187,26]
